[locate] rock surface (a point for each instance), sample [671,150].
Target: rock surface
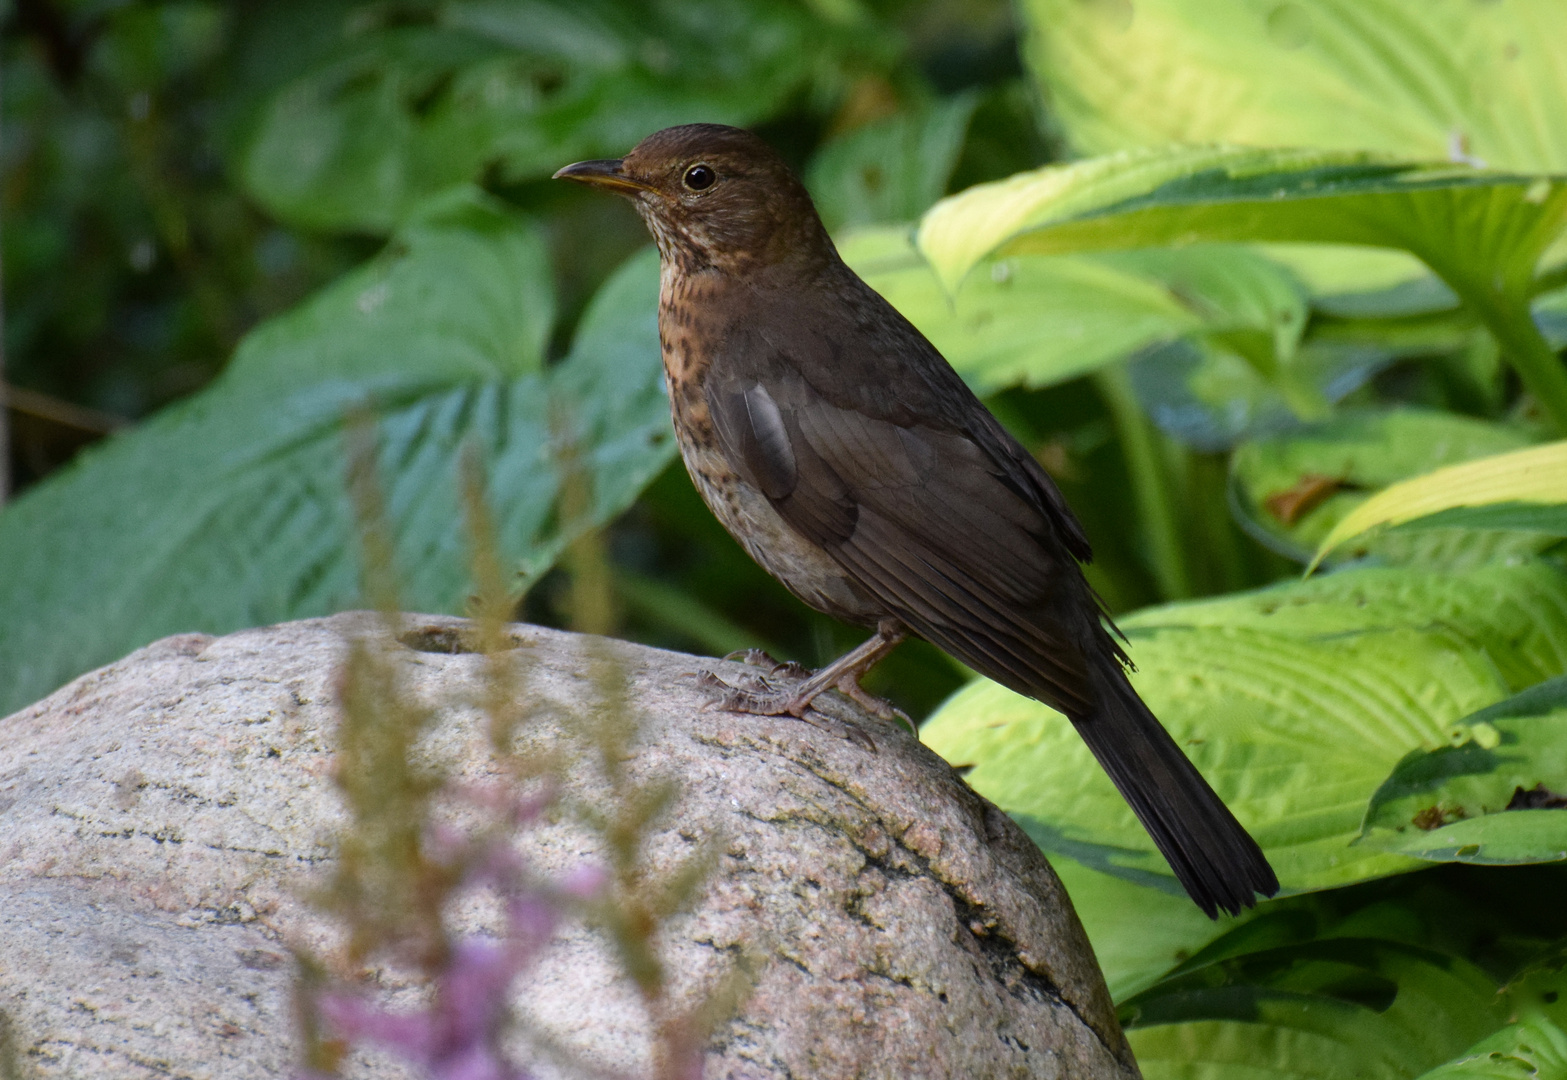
[161,818]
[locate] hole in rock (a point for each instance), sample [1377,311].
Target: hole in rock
[448,639]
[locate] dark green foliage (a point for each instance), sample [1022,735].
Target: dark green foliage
[230,506]
[147,146]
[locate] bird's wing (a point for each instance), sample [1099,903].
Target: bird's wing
[925,516]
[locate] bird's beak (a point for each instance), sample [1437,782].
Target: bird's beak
[604,174]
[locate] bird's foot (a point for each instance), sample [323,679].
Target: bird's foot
[760,699]
[761,658]
[756,697]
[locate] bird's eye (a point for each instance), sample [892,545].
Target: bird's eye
[698,177]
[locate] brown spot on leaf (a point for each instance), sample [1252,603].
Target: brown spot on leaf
[1434,817]
[1309,492]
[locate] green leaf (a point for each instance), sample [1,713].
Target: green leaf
[1516,746]
[1550,519]
[229,509]
[1295,702]
[1327,1008]
[1027,321]
[1251,304]
[1360,282]
[1534,1048]
[395,115]
[1504,839]
[1210,397]
[1038,321]
[1514,613]
[1139,932]
[1214,329]
[1145,937]
[891,169]
[1539,987]
[1422,78]
[1550,311]
[463,292]
[1294,489]
[1537,475]
[1386,978]
[354,144]
[1496,222]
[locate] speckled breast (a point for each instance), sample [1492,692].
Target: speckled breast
[803,567]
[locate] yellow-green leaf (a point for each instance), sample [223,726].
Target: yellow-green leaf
[1296,702]
[1536,475]
[1464,222]
[1424,78]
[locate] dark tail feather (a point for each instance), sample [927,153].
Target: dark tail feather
[1217,861]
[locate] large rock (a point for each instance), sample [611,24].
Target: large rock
[161,818]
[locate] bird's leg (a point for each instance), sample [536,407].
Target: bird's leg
[843,674]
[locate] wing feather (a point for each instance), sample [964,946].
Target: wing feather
[926,521]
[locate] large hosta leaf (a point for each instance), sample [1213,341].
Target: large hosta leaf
[1498,796]
[1295,701]
[1534,1048]
[1388,979]
[1467,224]
[1422,78]
[1328,1008]
[1354,282]
[229,509]
[1139,931]
[1026,321]
[1483,232]
[1293,490]
[1040,320]
[1385,979]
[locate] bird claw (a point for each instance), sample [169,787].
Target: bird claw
[761,658]
[880,708]
[844,729]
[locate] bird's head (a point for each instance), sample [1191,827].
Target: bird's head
[713,196]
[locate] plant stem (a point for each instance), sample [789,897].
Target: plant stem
[1554,278]
[1501,299]
[1151,486]
[1508,318]
[1225,568]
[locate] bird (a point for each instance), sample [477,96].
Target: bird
[851,461]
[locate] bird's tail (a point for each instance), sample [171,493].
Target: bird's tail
[1216,859]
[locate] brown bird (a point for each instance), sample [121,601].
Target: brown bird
[848,458]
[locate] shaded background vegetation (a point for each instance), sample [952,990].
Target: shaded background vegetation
[143,237]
